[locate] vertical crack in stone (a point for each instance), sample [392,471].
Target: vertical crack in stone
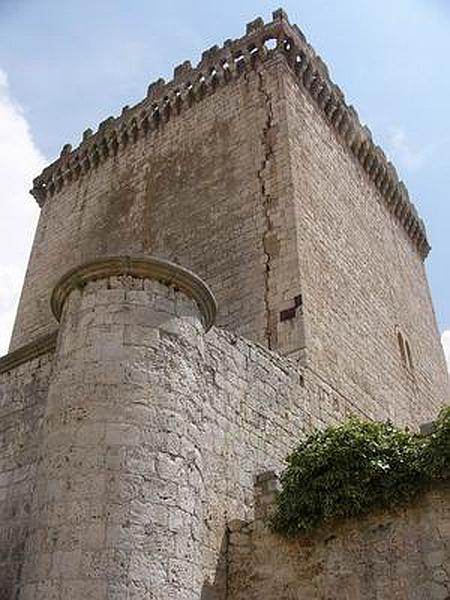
[266,198]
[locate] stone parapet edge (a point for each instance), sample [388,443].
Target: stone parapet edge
[217,67]
[149,267]
[41,346]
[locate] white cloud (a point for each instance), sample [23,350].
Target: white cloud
[446,343]
[20,161]
[407,154]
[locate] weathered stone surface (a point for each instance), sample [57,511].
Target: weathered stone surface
[400,555]
[254,189]
[129,451]
[23,393]
[150,442]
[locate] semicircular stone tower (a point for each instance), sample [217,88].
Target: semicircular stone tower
[217,270]
[119,484]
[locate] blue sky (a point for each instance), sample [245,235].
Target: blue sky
[65,66]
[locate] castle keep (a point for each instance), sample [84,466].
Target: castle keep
[219,269]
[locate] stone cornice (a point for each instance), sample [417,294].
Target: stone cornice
[217,67]
[141,267]
[39,347]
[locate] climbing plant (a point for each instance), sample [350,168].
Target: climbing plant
[350,469]
[435,458]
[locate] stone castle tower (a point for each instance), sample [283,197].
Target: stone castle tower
[217,270]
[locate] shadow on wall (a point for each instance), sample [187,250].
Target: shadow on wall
[217,589]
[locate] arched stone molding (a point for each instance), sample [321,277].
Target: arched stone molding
[151,267]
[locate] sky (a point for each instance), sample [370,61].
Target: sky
[66,66]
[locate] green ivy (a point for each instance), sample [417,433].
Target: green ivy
[435,459]
[356,467]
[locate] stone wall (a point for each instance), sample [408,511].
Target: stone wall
[399,555]
[23,392]
[362,282]
[147,442]
[107,506]
[151,436]
[190,191]
[253,172]
[127,456]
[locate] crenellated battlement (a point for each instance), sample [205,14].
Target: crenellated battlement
[217,67]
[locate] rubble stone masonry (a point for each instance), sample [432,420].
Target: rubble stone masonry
[395,555]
